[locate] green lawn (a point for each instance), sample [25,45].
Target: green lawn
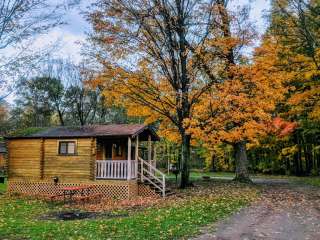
[197,175]
[194,176]
[3,187]
[314,181]
[175,218]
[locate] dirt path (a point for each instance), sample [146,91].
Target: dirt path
[286,211]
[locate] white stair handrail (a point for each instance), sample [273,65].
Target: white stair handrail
[152,171]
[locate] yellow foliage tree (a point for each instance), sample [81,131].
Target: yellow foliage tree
[239,110]
[295,26]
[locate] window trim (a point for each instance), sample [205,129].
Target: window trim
[67,141]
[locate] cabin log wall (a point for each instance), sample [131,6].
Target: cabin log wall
[39,159]
[68,167]
[2,160]
[42,150]
[24,158]
[93,159]
[6,159]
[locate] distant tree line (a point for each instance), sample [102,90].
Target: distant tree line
[58,97]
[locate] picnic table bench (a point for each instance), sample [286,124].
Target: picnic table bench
[77,193]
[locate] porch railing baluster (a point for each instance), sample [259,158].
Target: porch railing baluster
[115,169]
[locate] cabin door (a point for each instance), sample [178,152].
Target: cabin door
[119,150]
[108,151]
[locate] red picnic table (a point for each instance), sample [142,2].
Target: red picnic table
[83,191]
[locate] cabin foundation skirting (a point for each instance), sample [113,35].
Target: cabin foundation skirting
[109,189]
[146,191]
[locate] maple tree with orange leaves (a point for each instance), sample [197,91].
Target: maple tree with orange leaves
[186,68]
[239,110]
[160,58]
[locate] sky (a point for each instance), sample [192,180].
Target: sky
[70,35]
[74,32]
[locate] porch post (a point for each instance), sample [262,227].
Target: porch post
[149,149]
[149,152]
[136,156]
[129,159]
[154,155]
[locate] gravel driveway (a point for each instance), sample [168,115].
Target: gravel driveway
[285,211]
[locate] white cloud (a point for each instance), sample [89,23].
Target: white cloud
[68,43]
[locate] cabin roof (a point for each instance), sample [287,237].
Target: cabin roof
[3,148]
[110,130]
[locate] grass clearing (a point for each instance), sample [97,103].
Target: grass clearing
[314,181]
[197,175]
[177,217]
[3,187]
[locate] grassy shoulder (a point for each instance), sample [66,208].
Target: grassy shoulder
[314,181]
[174,218]
[198,175]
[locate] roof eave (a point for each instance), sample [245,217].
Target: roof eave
[154,134]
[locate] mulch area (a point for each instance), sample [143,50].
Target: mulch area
[78,215]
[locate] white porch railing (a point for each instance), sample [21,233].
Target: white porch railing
[150,174]
[115,169]
[118,169]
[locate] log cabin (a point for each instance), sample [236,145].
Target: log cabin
[3,152]
[106,156]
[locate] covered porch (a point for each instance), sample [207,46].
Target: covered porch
[122,157]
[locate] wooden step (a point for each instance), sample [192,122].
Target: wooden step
[168,191]
[148,183]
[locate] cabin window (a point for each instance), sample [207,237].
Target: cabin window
[67,147]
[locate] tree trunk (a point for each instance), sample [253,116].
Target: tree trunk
[185,159]
[61,118]
[296,164]
[213,161]
[308,158]
[241,161]
[318,163]
[299,171]
[288,168]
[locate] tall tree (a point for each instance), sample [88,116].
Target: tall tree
[55,93]
[295,26]
[4,117]
[239,110]
[155,60]
[20,21]
[37,101]
[82,104]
